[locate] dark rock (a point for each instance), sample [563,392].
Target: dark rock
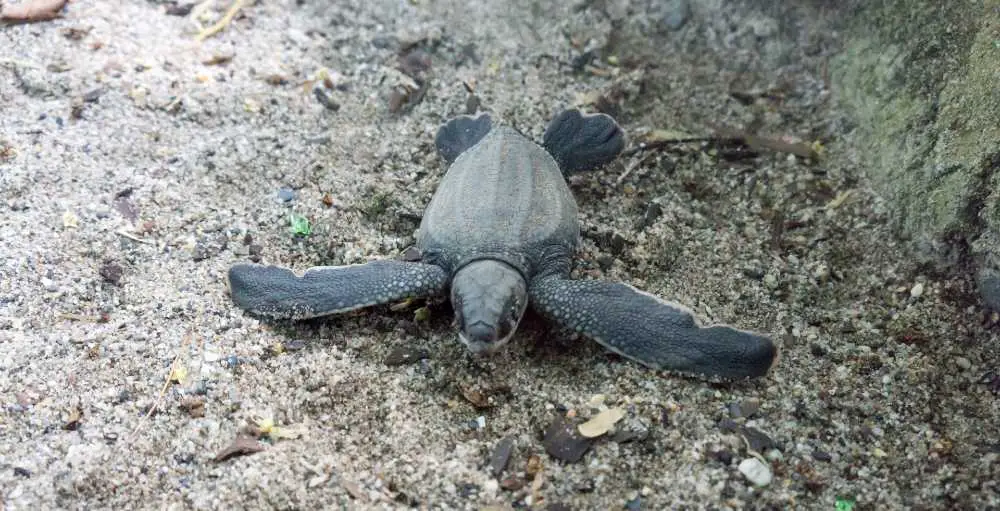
[563,441]
[111,272]
[403,355]
[758,440]
[501,455]
[652,213]
[22,472]
[821,456]
[325,99]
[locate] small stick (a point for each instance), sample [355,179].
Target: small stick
[762,142]
[31,11]
[125,234]
[223,23]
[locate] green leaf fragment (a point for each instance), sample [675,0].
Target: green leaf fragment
[844,504]
[422,314]
[300,225]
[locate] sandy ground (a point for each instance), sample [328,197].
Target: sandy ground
[134,171]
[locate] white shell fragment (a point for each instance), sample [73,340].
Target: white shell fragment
[601,423]
[756,471]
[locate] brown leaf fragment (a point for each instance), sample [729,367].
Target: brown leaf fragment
[194,406]
[219,59]
[476,398]
[241,446]
[31,10]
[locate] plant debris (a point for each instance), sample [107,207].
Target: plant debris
[194,406]
[73,418]
[31,11]
[760,142]
[601,423]
[241,446]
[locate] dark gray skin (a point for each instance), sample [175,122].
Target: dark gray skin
[501,232]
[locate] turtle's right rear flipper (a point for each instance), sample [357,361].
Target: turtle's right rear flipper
[583,142]
[650,330]
[278,293]
[461,133]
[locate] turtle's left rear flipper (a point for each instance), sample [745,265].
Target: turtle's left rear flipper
[323,290]
[651,331]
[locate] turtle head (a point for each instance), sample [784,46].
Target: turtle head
[489,298]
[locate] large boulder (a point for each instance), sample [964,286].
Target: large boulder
[922,80]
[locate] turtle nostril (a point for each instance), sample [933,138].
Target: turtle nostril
[481,332]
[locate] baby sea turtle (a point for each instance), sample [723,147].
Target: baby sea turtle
[501,232]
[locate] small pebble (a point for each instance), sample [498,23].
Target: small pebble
[501,455]
[677,13]
[563,441]
[756,471]
[402,355]
[963,363]
[286,194]
[771,281]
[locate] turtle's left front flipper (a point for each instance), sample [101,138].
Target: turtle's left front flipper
[278,293]
[650,330]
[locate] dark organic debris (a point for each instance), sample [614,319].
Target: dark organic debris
[415,63]
[194,406]
[111,272]
[403,355]
[180,8]
[325,99]
[501,455]
[241,446]
[73,418]
[123,204]
[402,98]
[563,441]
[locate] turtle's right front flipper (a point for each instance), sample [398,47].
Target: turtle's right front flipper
[278,293]
[651,331]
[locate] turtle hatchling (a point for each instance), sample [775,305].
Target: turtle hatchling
[500,234]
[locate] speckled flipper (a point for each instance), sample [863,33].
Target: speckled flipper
[583,142]
[461,133]
[649,330]
[278,293]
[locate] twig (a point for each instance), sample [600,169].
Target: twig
[223,23]
[31,10]
[659,144]
[762,142]
[628,170]
[125,234]
[163,391]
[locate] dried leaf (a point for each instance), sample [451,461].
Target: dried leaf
[660,136]
[242,446]
[601,423]
[179,374]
